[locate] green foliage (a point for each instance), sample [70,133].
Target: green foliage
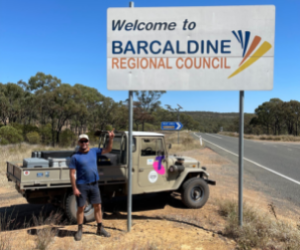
[46,133]
[150,127]
[93,139]
[211,122]
[67,138]
[44,99]
[3,141]
[33,137]
[108,127]
[25,129]
[148,102]
[277,117]
[9,134]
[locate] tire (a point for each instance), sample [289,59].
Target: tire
[195,193]
[71,210]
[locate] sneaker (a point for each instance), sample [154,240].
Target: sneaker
[78,235]
[102,232]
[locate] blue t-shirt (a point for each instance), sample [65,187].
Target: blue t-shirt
[86,166]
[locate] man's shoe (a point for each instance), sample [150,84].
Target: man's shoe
[102,232]
[78,235]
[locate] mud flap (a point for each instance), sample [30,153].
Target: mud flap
[210,182]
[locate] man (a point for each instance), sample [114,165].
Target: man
[84,165]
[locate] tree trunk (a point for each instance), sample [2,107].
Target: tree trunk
[53,132]
[57,136]
[143,126]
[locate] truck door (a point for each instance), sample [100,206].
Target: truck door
[152,167]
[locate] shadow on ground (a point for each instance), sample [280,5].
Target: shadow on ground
[29,215]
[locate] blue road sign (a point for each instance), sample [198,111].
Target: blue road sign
[171,125]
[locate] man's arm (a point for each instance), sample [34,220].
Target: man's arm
[76,192]
[109,146]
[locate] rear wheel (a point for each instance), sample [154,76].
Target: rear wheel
[71,210]
[195,193]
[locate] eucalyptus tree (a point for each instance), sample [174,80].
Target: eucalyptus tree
[90,99]
[148,103]
[11,96]
[295,106]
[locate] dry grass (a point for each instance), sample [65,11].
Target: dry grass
[288,138]
[259,230]
[5,236]
[133,246]
[7,224]
[186,141]
[46,234]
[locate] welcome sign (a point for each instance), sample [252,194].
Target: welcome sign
[190,48]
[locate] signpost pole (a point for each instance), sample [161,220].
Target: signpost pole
[241,156]
[129,148]
[129,187]
[178,130]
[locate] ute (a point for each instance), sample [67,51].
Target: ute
[44,178]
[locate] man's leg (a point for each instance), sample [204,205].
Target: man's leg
[98,216]
[98,213]
[95,199]
[80,214]
[80,209]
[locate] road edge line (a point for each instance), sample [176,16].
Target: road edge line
[253,162]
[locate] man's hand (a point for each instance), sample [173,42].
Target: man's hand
[76,192]
[108,148]
[111,134]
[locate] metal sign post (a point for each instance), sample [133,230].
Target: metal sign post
[129,184]
[241,156]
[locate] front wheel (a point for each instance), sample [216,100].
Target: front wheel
[195,193]
[71,210]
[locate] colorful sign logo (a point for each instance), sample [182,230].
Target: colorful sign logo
[158,166]
[263,48]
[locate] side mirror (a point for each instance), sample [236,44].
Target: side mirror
[170,146]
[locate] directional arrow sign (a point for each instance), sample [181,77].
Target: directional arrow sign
[171,125]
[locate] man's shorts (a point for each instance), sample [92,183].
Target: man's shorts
[88,192]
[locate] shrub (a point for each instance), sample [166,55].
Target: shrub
[17,126]
[3,141]
[67,138]
[46,133]
[9,134]
[109,127]
[93,139]
[25,129]
[258,230]
[33,137]
[30,128]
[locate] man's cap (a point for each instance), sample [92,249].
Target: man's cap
[83,136]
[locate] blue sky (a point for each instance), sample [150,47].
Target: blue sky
[67,39]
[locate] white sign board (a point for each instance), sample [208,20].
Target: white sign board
[190,48]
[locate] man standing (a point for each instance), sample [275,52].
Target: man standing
[85,186]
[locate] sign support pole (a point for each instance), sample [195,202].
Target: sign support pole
[178,130]
[241,157]
[129,184]
[129,148]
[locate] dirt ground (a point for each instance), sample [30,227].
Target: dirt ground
[158,222]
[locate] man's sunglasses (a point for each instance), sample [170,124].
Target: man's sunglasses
[85,141]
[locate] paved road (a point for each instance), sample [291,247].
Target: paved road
[275,164]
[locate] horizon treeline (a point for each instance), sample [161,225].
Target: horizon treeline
[274,117]
[46,110]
